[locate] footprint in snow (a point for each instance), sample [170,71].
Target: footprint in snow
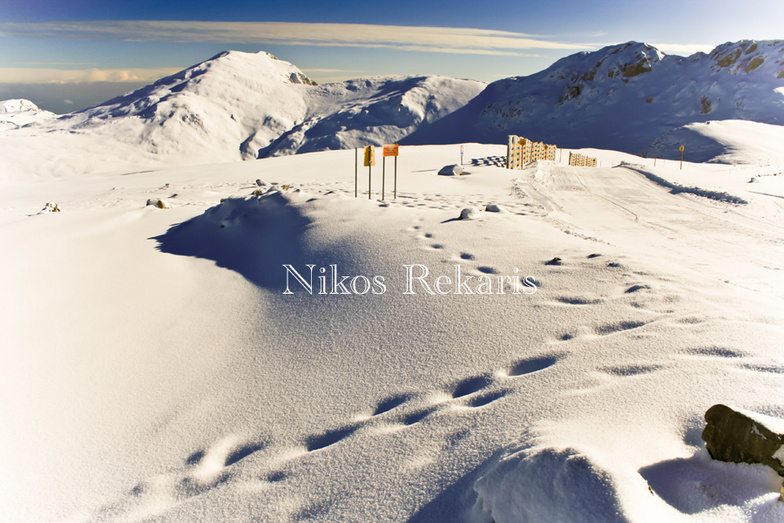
[328,438]
[578,300]
[487,270]
[530,365]
[468,386]
[391,403]
[611,328]
[631,370]
[480,400]
[714,351]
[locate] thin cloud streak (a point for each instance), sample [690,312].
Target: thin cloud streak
[407,38]
[45,75]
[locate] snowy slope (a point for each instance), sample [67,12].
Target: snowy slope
[623,97]
[151,367]
[725,141]
[230,107]
[372,112]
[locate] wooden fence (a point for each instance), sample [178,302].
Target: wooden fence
[579,160]
[521,151]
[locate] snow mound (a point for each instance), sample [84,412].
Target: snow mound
[253,236]
[545,485]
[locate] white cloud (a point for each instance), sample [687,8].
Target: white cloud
[430,39]
[35,75]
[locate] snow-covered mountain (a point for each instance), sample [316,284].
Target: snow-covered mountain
[19,112]
[629,97]
[16,105]
[623,97]
[372,112]
[236,106]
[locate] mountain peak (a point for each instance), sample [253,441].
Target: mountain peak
[614,61]
[17,105]
[746,56]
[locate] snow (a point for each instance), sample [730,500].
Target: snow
[724,141]
[154,367]
[269,347]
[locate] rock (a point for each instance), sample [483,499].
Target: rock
[50,207]
[157,202]
[738,436]
[470,213]
[261,183]
[452,170]
[494,207]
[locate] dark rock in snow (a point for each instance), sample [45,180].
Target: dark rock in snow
[744,437]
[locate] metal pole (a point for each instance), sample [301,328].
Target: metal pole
[369,167]
[383,175]
[395,177]
[356,163]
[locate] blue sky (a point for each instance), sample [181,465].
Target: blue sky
[66,55]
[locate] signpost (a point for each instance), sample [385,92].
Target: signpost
[356,163]
[390,150]
[682,148]
[370,161]
[461,155]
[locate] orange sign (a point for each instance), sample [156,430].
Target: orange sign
[391,150]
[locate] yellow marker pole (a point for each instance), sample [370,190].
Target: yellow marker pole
[370,161]
[682,148]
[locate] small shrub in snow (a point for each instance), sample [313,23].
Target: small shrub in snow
[157,202]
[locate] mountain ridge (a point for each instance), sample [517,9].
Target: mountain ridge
[629,97]
[623,97]
[242,106]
